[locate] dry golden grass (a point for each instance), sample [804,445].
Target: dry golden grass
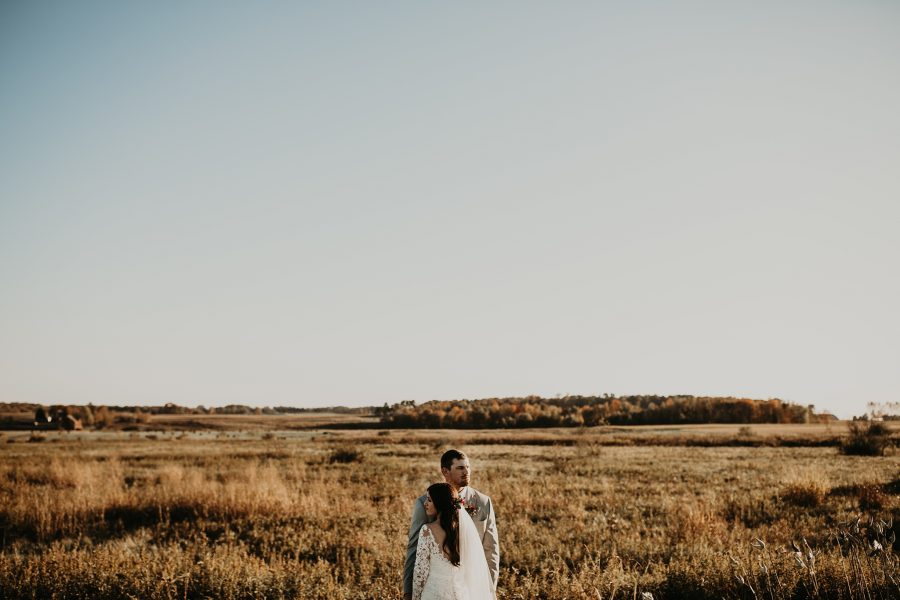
[324,515]
[256,422]
[806,486]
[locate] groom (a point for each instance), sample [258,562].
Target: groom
[457,472]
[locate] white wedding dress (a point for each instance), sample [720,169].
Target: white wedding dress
[436,578]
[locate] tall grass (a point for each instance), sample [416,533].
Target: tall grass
[283,518]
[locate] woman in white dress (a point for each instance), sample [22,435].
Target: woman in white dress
[450,562]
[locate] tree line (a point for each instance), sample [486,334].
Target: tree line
[588,411]
[487,413]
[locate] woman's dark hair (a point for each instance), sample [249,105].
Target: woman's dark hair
[443,497]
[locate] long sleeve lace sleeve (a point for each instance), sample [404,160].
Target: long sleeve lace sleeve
[423,562]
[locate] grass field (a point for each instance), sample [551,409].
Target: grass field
[686,512]
[211,422]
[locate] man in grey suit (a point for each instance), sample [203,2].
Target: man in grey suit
[458,473]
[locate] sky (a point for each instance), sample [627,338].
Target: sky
[318,204]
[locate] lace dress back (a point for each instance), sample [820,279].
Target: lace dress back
[434,576]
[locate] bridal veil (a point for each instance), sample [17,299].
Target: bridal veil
[472,563]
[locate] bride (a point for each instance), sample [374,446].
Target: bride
[450,563]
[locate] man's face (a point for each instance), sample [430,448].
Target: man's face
[459,474]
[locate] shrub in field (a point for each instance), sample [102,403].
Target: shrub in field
[346,454]
[869,438]
[806,488]
[807,496]
[870,496]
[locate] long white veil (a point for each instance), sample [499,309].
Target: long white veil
[472,563]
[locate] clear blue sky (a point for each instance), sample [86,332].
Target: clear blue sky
[355,203]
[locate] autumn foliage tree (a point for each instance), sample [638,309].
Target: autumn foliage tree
[578,411]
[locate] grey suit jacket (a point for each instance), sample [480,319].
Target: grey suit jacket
[485,523]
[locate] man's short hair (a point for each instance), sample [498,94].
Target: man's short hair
[448,458]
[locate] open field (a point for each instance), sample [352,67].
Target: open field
[598,513]
[216,422]
[254,422]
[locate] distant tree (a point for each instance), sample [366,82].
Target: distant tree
[579,411]
[103,417]
[87,416]
[524,419]
[574,419]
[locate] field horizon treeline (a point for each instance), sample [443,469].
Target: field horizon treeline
[486,413]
